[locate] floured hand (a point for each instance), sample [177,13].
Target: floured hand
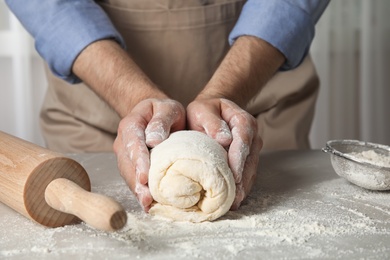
[149,123]
[234,129]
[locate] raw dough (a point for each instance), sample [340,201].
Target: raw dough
[190,179]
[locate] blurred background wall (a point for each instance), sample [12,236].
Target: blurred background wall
[22,81]
[351,52]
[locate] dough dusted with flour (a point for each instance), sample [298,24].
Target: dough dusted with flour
[190,179]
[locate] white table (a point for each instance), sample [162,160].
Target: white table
[299,208]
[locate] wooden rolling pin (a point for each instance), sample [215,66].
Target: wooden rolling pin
[51,189]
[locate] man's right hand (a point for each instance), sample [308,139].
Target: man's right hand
[148,115]
[149,123]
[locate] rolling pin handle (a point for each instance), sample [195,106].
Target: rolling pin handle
[96,210]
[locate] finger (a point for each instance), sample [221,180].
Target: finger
[249,174]
[207,119]
[168,116]
[127,170]
[243,131]
[240,196]
[219,130]
[144,196]
[238,152]
[134,142]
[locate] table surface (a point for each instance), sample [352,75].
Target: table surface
[299,208]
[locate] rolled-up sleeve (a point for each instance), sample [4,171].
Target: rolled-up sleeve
[288,25]
[62,29]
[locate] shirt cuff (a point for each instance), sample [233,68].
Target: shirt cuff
[285,26]
[68,32]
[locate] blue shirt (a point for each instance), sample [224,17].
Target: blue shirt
[63,28]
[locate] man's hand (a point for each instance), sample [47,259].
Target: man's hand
[148,124]
[148,115]
[217,111]
[234,129]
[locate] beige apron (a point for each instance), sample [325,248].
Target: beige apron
[178,44]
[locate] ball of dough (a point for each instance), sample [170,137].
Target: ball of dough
[190,179]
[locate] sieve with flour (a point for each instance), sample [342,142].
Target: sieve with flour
[350,161]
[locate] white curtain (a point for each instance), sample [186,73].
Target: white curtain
[351,51]
[22,86]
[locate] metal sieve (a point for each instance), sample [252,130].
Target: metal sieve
[359,172]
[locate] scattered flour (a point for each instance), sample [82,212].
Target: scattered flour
[269,221]
[330,218]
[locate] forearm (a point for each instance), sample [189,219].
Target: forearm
[108,70]
[249,64]
[62,29]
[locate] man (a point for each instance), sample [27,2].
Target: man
[178,72]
